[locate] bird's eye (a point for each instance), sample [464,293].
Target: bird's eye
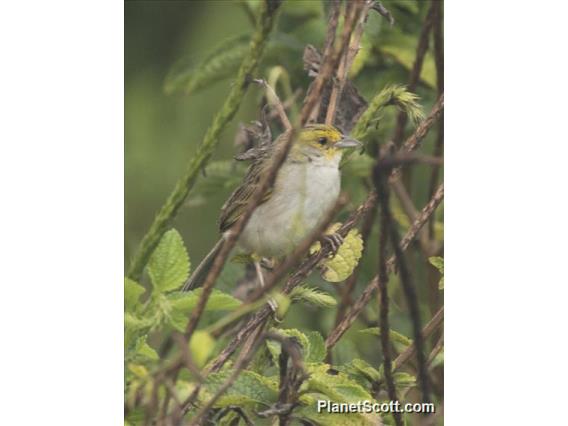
[322,141]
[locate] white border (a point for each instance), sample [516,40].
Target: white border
[61,172]
[505,246]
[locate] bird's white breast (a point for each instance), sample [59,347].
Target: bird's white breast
[303,194]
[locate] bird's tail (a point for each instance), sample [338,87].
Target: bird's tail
[200,273]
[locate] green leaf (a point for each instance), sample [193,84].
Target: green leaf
[218,301]
[316,351]
[313,296]
[142,350]
[134,326]
[394,336]
[312,343]
[390,95]
[438,263]
[249,389]
[338,386]
[132,293]
[301,338]
[339,267]
[282,305]
[200,347]
[402,48]
[402,379]
[223,62]
[169,264]
[325,418]
[367,370]
[182,303]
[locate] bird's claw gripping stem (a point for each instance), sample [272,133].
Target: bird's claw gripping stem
[334,241]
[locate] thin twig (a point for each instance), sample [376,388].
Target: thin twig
[386,224]
[330,62]
[241,363]
[421,49]
[300,251]
[405,279]
[411,212]
[291,378]
[232,236]
[347,288]
[287,104]
[428,329]
[210,141]
[435,350]
[439,61]
[332,22]
[275,100]
[294,280]
[346,61]
[413,142]
[365,297]
[310,263]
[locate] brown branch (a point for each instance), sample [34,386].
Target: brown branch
[383,298]
[346,61]
[413,142]
[439,61]
[365,297]
[435,350]
[287,104]
[280,156]
[411,212]
[275,100]
[409,290]
[291,378]
[428,329]
[294,280]
[332,23]
[232,236]
[260,318]
[300,251]
[421,49]
[347,289]
[242,362]
[330,62]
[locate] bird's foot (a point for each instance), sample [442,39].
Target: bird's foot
[267,263]
[334,241]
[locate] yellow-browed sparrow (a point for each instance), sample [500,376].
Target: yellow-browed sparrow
[306,187]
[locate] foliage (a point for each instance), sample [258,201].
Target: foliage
[438,263]
[341,265]
[156,311]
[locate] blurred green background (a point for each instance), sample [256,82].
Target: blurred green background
[163,130]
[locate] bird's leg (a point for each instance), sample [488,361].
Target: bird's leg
[259,273]
[271,302]
[267,263]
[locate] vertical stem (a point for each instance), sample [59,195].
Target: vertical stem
[439,61]
[383,195]
[210,141]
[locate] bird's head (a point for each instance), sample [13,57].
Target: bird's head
[323,141]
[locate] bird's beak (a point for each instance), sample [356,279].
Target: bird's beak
[348,142]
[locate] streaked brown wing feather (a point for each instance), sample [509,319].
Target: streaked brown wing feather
[235,206]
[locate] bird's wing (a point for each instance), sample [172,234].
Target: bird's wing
[235,206]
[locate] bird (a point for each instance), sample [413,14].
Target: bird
[306,187]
